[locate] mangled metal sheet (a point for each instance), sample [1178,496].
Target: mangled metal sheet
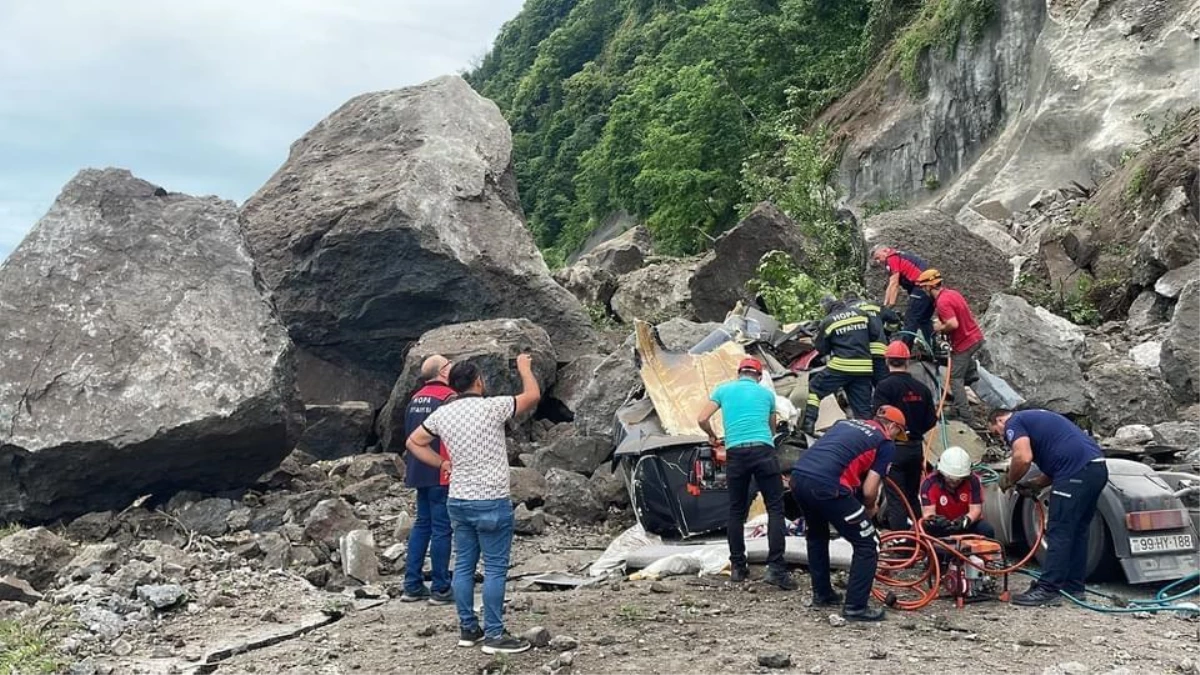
[679,383]
[956,433]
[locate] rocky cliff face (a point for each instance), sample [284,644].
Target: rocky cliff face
[139,356]
[395,215]
[1053,92]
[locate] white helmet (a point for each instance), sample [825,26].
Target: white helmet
[955,463]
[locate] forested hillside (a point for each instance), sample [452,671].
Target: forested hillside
[683,112]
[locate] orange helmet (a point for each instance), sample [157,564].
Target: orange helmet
[897,350]
[929,277]
[891,414]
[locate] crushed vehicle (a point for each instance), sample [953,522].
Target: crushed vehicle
[1147,521]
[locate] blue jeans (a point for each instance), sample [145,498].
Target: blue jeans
[482,528]
[430,534]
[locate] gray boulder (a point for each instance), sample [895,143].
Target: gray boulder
[622,254]
[614,379]
[528,522]
[397,214]
[359,560]
[573,380]
[1171,284]
[141,357]
[581,454]
[1180,357]
[339,430]
[92,527]
[1122,393]
[208,516]
[1036,352]
[527,486]
[1148,309]
[569,495]
[656,292]
[609,487]
[720,279]
[34,555]
[1182,435]
[1172,240]
[680,335]
[967,261]
[161,596]
[330,520]
[591,286]
[491,345]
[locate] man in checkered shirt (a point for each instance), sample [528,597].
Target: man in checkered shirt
[481,512]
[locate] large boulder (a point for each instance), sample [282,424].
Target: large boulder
[581,454]
[1121,393]
[333,431]
[680,335]
[569,495]
[491,345]
[656,292]
[967,261]
[1036,352]
[1172,241]
[34,555]
[613,381]
[573,380]
[720,279]
[1180,358]
[397,214]
[139,355]
[593,278]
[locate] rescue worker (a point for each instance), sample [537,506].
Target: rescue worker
[853,455]
[748,411]
[952,498]
[878,346]
[954,318]
[901,390]
[845,337]
[1073,465]
[903,270]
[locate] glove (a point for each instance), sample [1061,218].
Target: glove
[963,524]
[1028,490]
[937,524]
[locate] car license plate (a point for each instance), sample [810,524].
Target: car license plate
[1162,543]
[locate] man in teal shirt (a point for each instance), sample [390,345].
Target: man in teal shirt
[748,410]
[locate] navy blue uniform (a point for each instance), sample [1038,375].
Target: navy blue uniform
[431,529]
[1075,464]
[824,481]
[878,340]
[845,336]
[918,318]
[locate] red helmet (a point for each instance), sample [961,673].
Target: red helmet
[750,364]
[897,350]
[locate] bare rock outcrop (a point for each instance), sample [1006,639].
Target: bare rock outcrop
[397,214]
[139,355]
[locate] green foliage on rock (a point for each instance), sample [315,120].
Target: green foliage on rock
[789,293]
[654,106]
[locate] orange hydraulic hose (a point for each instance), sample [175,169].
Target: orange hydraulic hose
[907,549]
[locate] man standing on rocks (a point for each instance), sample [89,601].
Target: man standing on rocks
[854,455]
[845,337]
[903,268]
[748,410]
[431,529]
[472,426]
[1073,465]
[901,390]
[954,318]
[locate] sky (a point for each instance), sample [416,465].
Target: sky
[201,96]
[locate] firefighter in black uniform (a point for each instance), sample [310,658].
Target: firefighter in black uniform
[878,345]
[845,338]
[904,392]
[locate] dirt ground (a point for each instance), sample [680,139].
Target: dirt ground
[681,624]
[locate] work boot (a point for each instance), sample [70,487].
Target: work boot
[1038,596]
[832,600]
[781,579]
[739,573]
[867,613]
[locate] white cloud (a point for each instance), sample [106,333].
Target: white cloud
[202,96]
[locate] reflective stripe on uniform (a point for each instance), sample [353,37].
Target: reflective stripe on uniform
[851,321]
[854,516]
[851,365]
[878,349]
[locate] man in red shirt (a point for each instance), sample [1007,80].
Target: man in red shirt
[952,498]
[954,318]
[903,269]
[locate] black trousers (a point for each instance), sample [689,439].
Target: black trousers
[760,464]
[824,505]
[1072,505]
[905,472]
[825,382]
[918,317]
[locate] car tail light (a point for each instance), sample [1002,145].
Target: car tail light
[1140,521]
